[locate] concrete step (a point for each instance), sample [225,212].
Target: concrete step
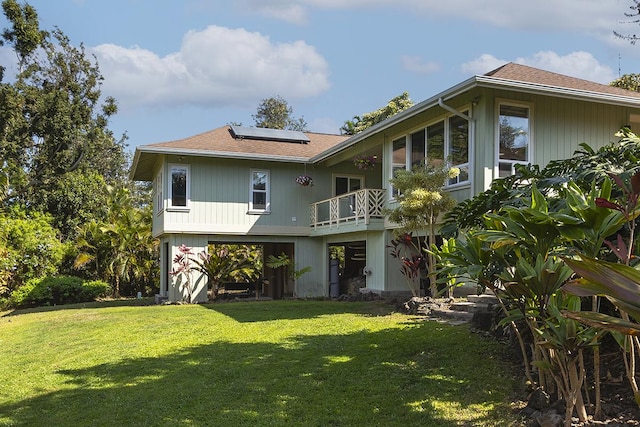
[446,313]
[469,306]
[483,298]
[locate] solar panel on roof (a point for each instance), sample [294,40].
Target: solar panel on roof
[269,134]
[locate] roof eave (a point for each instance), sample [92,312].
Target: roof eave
[150,150]
[479,81]
[495,82]
[391,121]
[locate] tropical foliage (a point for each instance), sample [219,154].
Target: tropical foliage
[275,113]
[360,123]
[120,249]
[219,264]
[521,239]
[421,199]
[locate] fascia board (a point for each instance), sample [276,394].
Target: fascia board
[578,94]
[404,115]
[221,154]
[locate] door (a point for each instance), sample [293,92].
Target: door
[347,184]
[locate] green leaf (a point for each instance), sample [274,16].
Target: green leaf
[604,321]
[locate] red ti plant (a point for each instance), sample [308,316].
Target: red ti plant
[411,260]
[184,269]
[629,208]
[619,283]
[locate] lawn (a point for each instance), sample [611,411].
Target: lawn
[273,363]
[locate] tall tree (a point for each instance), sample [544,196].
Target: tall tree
[275,113]
[421,200]
[360,123]
[52,117]
[634,18]
[627,81]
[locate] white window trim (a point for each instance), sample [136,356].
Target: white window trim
[159,199]
[348,176]
[169,206]
[530,151]
[267,209]
[447,142]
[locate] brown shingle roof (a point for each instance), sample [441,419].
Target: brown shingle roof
[222,141]
[523,73]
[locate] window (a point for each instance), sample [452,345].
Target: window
[259,192]
[459,148]
[449,136]
[398,157]
[435,143]
[159,196]
[347,184]
[513,138]
[417,148]
[179,188]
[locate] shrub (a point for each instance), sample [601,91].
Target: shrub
[31,248]
[57,290]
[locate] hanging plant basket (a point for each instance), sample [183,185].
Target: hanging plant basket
[363,162]
[305,180]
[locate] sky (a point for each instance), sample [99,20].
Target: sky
[178,68]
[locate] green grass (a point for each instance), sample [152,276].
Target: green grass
[298,363]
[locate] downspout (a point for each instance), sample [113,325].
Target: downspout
[472,139]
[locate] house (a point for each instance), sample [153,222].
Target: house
[238,185]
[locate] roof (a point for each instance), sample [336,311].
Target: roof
[279,146]
[221,142]
[523,73]
[514,77]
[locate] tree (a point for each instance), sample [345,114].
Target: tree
[119,249]
[627,81]
[29,246]
[421,200]
[52,119]
[275,113]
[634,15]
[219,264]
[360,123]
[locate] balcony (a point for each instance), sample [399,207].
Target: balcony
[356,208]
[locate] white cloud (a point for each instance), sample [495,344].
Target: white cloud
[576,64]
[215,67]
[287,11]
[592,16]
[483,64]
[415,64]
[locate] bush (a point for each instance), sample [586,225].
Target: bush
[57,291]
[31,248]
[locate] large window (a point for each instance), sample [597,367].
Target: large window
[459,148]
[179,188]
[450,136]
[259,192]
[398,158]
[435,143]
[513,138]
[159,193]
[417,148]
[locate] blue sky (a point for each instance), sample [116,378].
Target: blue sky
[181,67]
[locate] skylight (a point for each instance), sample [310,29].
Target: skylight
[243,132]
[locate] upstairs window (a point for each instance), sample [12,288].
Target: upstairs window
[417,148]
[399,158]
[179,188]
[435,143]
[259,192]
[446,140]
[513,138]
[459,148]
[159,193]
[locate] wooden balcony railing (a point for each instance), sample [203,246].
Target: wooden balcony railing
[356,206]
